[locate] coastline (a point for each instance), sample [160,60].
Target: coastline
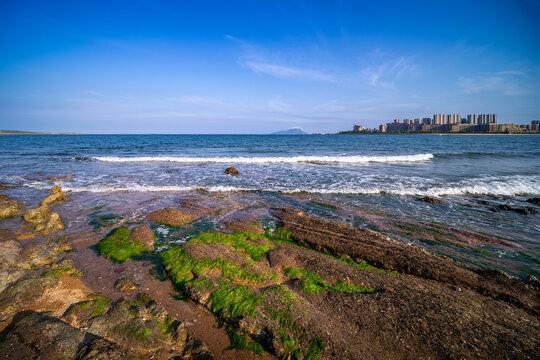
[293,262]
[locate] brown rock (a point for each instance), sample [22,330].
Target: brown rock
[430,200]
[34,335]
[143,234]
[8,207]
[170,216]
[231,171]
[125,285]
[43,220]
[535,201]
[56,195]
[248,225]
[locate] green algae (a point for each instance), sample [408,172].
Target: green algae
[243,342]
[97,304]
[181,267]
[238,241]
[119,247]
[313,284]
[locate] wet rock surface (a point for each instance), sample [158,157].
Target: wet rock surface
[43,220]
[9,207]
[430,200]
[144,235]
[125,285]
[56,195]
[171,216]
[232,171]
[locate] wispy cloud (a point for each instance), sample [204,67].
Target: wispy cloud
[286,72]
[507,82]
[388,72]
[197,100]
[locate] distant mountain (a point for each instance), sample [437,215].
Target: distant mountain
[293,131]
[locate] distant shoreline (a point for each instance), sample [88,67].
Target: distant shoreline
[37,133]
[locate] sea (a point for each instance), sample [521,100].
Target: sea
[379,172]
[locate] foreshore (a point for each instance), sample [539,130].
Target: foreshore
[154,274]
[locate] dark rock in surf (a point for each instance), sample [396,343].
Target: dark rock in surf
[430,200]
[232,171]
[535,201]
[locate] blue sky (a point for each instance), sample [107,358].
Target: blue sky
[256,67]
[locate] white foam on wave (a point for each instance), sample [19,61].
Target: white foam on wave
[502,186]
[351,159]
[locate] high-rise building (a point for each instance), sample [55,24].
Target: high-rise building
[472,119]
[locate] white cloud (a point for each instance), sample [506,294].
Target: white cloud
[508,82]
[286,72]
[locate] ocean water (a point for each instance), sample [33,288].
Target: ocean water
[386,172]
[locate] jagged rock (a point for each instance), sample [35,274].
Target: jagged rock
[522,211]
[26,291]
[535,201]
[43,220]
[170,216]
[15,259]
[143,234]
[33,335]
[56,195]
[231,171]
[8,207]
[125,285]
[430,200]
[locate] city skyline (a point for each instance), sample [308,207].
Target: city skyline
[244,67]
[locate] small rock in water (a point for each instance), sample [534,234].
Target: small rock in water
[430,200]
[125,285]
[231,171]
[535,201]
[56,195]
[9,207]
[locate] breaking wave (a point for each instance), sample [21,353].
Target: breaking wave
[354,159]
[497,186]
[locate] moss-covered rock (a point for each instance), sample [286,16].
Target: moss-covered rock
[119,246]
[144,235]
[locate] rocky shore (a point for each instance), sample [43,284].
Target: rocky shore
[213,276]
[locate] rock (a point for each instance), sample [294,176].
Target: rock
[535,201]
[143,234]
[33,335]
[43,220]
[8,207]
[56,195]
[248,225]
[37,216]
[484,202]
[170,216]
[125,285]
[430,200]
[232,171]
[522,211]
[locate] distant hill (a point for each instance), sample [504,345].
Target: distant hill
[293,131]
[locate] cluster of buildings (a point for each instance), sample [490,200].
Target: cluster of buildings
[473,123]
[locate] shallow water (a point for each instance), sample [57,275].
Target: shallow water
[382,173]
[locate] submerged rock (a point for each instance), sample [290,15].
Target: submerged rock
[522,211]
[144,235]
[535,201]
[56,195]
[9,207]
[125,285]
[430,200]
[232,171]
[171,216]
